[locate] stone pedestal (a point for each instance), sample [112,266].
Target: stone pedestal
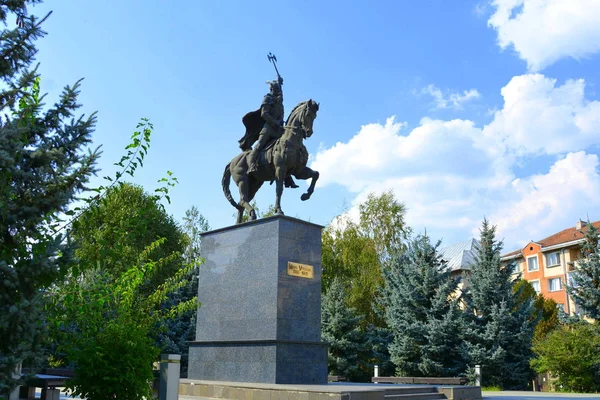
[260,313]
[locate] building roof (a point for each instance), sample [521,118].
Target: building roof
[511,255]
[563,237]
[460,255]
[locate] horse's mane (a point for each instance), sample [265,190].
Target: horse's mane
[292,113]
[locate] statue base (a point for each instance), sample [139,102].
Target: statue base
[259,318]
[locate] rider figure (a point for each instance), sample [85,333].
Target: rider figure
[271,111]
[264,124]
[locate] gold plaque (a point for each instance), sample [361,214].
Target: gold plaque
[300,270]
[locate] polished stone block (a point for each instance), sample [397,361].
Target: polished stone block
[256,323]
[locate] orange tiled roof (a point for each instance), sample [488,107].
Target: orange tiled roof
[564,236]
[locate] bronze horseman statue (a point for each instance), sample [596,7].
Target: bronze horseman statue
[279,152]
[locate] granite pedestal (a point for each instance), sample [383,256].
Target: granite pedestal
[260,313]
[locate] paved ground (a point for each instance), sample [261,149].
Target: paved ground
[510,395]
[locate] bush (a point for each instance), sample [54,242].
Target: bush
[572,355]
[110,327]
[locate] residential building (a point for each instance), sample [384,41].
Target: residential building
[548,263]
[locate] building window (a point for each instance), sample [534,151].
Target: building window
[532,264]
[570,280]
[518,268]
[536,286]
[554,284]
[553,259]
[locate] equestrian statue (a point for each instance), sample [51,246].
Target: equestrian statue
[279,152]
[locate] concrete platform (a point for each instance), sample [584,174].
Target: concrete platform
[197,389]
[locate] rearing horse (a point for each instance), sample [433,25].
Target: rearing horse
[287,156]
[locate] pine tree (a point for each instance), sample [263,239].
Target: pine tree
[42,170]
[340,328]
[500,330]
[585,286]
[422,312]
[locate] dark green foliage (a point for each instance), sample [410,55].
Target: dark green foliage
[500,329]
[111,346]
[378,340]
[571,354]
[43,167]
[340,328]
[544,309]
[182,328]
[585,284]
[422,313]
[113,232]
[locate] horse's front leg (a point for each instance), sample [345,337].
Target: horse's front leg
[280,172]
[307,173]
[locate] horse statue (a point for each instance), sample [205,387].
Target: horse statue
[283,157]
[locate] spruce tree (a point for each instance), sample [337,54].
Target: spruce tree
[585,281]
[42,170]
[340,328]
[422,312]
[500,329]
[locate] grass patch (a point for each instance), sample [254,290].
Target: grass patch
[491,389]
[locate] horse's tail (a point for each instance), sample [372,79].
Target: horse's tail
[225,183]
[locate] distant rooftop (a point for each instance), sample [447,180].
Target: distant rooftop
[460,256]
[563,237]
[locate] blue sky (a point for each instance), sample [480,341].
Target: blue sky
[464,109]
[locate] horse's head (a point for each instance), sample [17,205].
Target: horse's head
[303,116]
[309,117]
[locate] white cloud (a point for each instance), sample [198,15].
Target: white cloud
[452,173]
[540,117]
[547,203]
[544,31]
[379,151]
[452,100]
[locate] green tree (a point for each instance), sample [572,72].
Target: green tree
[349,255]
[382,219]
[194,224]
[356,251]
[340,328]
[544,311]
[585,285]
[43,168]
[500,330]
[181,329]
[112,347]
[422,312]
[113,232]
[571,354]
[269,213]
